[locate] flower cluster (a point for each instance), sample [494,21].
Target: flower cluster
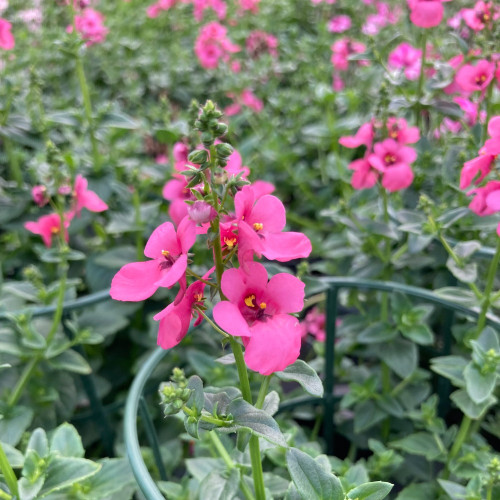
[213,45]
[253,307]
[341,51]
[486,197]
[387,155]
[53,224]
[90,24]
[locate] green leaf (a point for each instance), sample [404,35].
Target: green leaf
[420,334]
[217,487]
[258,421]
[366,415]
[14,457]
[310,479]
[71,361]
[196,400]
[305,375]
[400,355]
[39,442]
[454,490]
[66,442]
[451,367]
[114,476]
[29,490]
[63,472]
[466,273]
[376,490]
[420,443]
[173,491]
[118,120]
[191,426]
[271,403]
[457,295]
[14,423]
[378,332]
[479,386]
[473,410]
[423,491]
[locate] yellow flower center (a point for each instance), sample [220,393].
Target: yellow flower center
[258,226]
[54,230]
[165,253]
[198,297]
[249,300]
[230,242]
[388,158]
[262,305]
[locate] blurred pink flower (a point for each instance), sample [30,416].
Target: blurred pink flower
[426,13]
[84,198]
[7,41]
[475,78]
[481,15]
[218,6]
[259,42]
[90,25]
[486,200]
[213,45]
[48,226]
[406,57]
[339,24]
[314,324]
[39,195]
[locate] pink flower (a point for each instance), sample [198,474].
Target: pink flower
[339,24]
[426,13]
[481,165]
[7,41]
[259,311]
[168,250]
[471,78]
[201,212]
[177,192]
[393,161]
[251,5]
[260,225]
[492,146]
[406,57]
[212,45]
[162,5]
[342,49]
[249,99]
[39,195]
[91,27]
[259,42]
[48,226]
[486,200]
[218,6]
[398,130]
[175,318]
[364,176]
[363,137]
[315,324]
[469,108]
[84,198]
[480,16]
[235,165]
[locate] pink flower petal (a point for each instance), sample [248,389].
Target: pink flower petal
[229,318]
[171,331]
[286,246]
[186,233]
[270,212]
[163,237]
[136,281]
[174,274]
[287,292]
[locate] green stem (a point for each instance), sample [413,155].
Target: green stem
[229,463]
[10,477]
[199,278]
[481,322]
[242,370]
[263,391]
[15,169]
[30,367]
[489,492]
[206,418]
[457,445]
[488,100]
[420,89]
[212,324]
[87,105]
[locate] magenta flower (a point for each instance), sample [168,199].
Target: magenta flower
[408,58]
[492,146]
[364,176]
[342,49]
[162,5]
[393,161]
[175,318]
[7,41]
[481,165]
[260,42]
[426,13]
[48,226]
[250,100]
[251,5]
[363,137]
[218,6]
[39,195]
[314,324]
[259,311]
[260,225]
[200,212]
[235,165]
[480,16]
[84,198]
[399,131]
[471,78]
[168,250]
[486,200]
[339,24]
[213,45]
[91,27]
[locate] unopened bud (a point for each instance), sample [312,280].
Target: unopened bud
[198,156]
[201,212]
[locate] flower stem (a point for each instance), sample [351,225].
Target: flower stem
[212,324]
[481,322]
[457,445]
[420,89]
[263,391]
[8,473]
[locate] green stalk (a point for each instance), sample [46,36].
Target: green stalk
[30,367]
[481,322]
[229,463]
[87,105]
[14,167]
[10,477]
[420,89]
[263,391]
[457,445]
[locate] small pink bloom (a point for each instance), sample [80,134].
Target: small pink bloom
[480,16]
[251,5]
[363,137]
[364,176]
[235,165]
[471,78]
[232,109]
[212,46]
[393,161]
[39,195]
[7,41]
[168,250]
[84,198]
[398,130]
[469,108]
[91,27]
[426,13]
[259,311]
[48,226]
[259,42]
[314,324]
[249,99]
[406,57]
[481,165]
[161,159]
[260,229]
[486,200]
[218,6]
[339,24]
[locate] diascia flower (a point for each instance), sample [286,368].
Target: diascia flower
[48,226]
[471,78]
[91,27]
[6,39]
[426,13]
[85,198]
[259,311]
[168,250]
[260,229]
[406,57]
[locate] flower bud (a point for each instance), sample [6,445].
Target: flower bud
[39,194]
[221,129]
[198,156]
[207,139]
[201,212]
[224,150]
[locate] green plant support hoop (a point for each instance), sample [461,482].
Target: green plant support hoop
[136,404]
